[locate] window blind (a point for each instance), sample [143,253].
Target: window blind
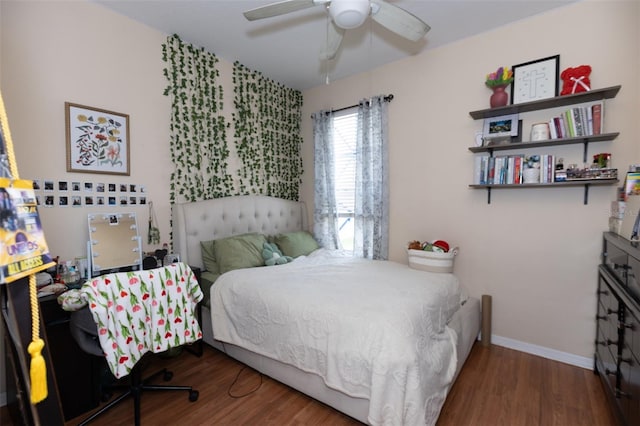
[344,140]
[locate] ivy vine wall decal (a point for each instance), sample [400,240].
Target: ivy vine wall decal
[198,130]
[266,130]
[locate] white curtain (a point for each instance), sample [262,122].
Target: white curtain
[371,213]
[325,212]
[372,181]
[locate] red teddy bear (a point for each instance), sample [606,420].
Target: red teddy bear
[576,80]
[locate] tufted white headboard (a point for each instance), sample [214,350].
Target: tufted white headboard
[225,217]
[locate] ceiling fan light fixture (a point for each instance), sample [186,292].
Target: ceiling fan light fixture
[349,14]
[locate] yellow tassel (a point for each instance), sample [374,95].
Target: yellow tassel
[39,389]
[38,373]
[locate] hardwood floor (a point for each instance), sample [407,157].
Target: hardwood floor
[497,386]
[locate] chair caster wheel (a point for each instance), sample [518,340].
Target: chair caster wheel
[193,395]
[168,375]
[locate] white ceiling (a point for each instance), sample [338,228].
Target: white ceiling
[287,48]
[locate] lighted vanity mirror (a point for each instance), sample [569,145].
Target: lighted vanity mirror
[114,242]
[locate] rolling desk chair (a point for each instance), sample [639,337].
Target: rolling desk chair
[132,313]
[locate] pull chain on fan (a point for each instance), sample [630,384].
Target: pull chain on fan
[325,64]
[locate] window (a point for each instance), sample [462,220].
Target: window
[344,140]
[350,158]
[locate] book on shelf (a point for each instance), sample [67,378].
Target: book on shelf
[517,172]
[589,111]
[597,111]
[586,120]
[553,134]
[491,170]
[583,120]
[568,118]
[561,126]
[499,170]
[565,127]
[477,170]
[547,168]
[557,124]
[577,122]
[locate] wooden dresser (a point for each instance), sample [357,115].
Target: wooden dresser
[617,348]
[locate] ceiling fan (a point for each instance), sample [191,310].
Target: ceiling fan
[348,14]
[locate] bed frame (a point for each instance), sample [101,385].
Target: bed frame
[225,217]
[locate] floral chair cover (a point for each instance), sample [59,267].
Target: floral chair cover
[141,311]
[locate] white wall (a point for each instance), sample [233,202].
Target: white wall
[57,51]
[536,250]
[96,58]
[93,57]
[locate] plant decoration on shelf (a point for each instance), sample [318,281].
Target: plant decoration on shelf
[498,81]
[531,171]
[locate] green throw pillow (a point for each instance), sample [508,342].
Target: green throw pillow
[207,249]
[296,244]
[241,251]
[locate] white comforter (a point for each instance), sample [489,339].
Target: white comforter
[371,329]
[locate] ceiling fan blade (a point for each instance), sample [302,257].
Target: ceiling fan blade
[398,20]
[279,8]
[334,40]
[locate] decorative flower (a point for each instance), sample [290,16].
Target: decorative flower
[532,162]
[502,76]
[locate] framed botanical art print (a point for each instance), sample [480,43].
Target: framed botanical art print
[535,80]
[97,140]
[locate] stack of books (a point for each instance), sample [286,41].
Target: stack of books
[578,122]
[507,169]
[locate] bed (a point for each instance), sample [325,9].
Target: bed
[457,323]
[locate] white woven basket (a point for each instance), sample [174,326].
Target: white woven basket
[432,261]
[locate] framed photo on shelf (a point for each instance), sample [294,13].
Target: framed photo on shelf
[97,140]
[504,125]
[535,80]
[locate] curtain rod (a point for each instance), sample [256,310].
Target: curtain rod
[387,98]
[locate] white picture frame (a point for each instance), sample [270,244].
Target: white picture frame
[535,80]
[501,126]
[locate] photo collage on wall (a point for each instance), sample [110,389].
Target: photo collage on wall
[75,193]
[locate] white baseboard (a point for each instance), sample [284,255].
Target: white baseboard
[3,399]
[565,357]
